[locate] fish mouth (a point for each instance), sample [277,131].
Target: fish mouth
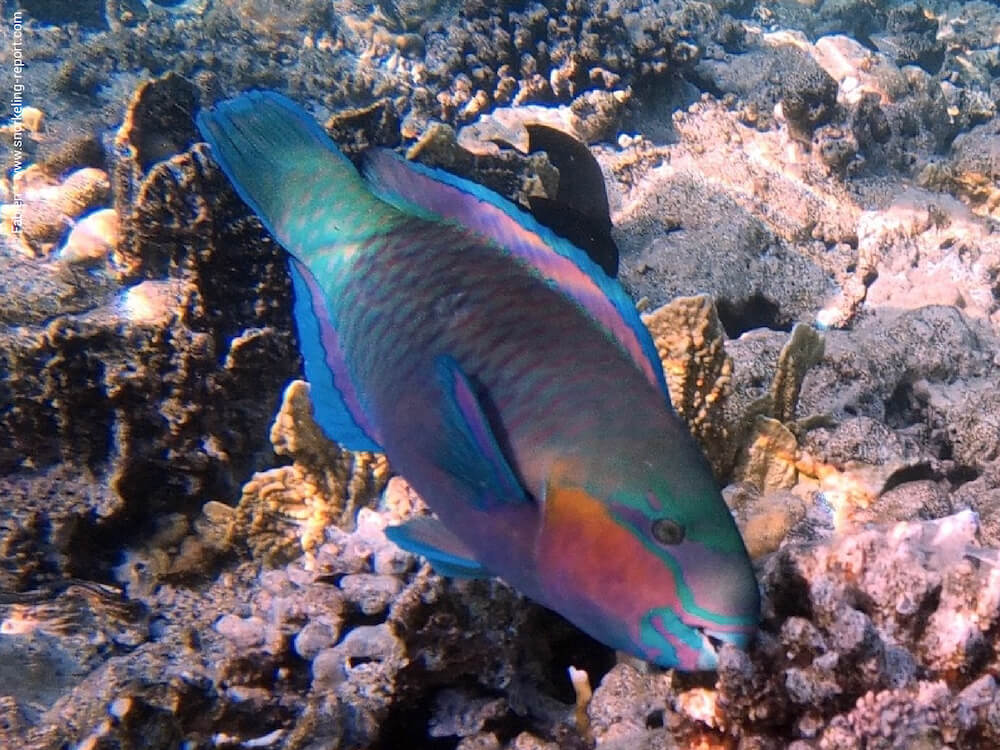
[712,643]
[708,654]
[670,640]
[718,638]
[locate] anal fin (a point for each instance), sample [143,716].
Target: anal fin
[335,401]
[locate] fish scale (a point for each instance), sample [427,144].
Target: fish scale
[488,292]
[508,379]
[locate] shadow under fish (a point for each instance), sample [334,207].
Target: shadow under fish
[507,377]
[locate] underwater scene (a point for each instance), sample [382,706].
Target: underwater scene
[529,375]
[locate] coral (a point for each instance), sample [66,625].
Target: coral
[50,207]
[766,519]
[132,393]
[92,239]
[401,501]
[361,128]
[511,125]
[803,350]
[153,396]
[972,171]
[769,460]
[750,432]
[862,369]
[506,171]
[725,190]
[285,510]
[365,662]
[873,639]
[689,340]
[809,96]
[911,38]
[159,122]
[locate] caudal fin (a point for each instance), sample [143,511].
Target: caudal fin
[289,172]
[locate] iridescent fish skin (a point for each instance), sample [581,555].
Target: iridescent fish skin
[507,379]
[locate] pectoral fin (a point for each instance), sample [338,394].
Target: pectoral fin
[471,451]
[445,552]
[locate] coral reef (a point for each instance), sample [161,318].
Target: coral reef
[337,647]
[783,168]
[141,397]
[877,639]
[286,510]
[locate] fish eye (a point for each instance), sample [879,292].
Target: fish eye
[667,532]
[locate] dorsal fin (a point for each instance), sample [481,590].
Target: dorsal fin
[436,194]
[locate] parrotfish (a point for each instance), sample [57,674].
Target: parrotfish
[506,377]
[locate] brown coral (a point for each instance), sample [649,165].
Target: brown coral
[803,350]
[690,341]
[286,510]
[769,459]
[361,128]
[159,123]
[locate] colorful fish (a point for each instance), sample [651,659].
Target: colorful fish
[507,378]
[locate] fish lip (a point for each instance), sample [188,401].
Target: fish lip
[712,642]
[708,655]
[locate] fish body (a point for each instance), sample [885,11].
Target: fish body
[506,378]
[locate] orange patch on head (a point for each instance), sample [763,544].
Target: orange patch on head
[581,549]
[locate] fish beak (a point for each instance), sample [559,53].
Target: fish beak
[708,655]
[712,643]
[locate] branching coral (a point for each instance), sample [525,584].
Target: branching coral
[286,510]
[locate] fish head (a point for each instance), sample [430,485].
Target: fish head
[667,579]
[697,590]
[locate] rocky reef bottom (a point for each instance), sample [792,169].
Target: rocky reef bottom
[834,207]
[254,628]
